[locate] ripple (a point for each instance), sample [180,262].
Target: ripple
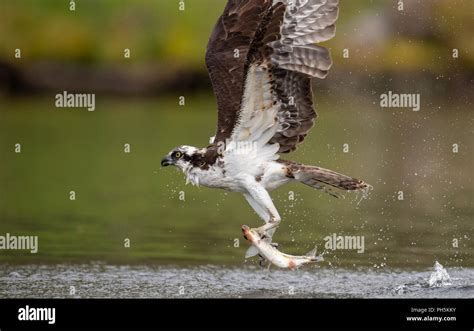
[110,281]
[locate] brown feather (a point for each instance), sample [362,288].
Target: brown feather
[316,177]
[235,29]
[256,29]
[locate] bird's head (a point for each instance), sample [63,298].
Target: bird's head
[182,157]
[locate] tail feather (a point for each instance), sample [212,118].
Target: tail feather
[323,187]
[323,179]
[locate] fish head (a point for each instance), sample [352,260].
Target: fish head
[249,234]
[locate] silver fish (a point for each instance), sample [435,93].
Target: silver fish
[273,255]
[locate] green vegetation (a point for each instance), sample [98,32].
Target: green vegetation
[156,31]
[99,31]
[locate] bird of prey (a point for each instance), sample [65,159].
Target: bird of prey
[261,57]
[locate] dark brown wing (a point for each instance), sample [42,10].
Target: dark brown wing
[296,59]
[275,46]
[297,115]
[226,57]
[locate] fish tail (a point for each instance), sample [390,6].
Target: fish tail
[312,255]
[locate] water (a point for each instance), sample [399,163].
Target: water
[100,280]
[439,277]
[420,210]
[123,196]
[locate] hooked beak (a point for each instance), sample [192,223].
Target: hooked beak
[166,161]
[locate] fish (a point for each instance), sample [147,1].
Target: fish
[273,255]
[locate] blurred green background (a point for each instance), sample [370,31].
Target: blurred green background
[122,195]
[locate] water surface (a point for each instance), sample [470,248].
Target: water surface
[122,196]
[108,281]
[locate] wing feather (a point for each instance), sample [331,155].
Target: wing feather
[265,94]
[226,58]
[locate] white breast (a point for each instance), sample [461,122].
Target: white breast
[270,175]
[214,177]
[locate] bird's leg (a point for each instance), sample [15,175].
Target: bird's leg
[264,230]
[258,197]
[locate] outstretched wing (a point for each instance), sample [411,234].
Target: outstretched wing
[266,97]
[226,57]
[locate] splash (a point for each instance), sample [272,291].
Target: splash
[354,196]
[439,277]
[361,194]
[364,193]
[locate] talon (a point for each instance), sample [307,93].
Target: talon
[261,233]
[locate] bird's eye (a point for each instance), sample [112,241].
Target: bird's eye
[177,155]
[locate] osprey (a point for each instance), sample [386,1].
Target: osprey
[261,57]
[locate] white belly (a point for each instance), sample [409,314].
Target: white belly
[215,177]
[270,175]
[274,176]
